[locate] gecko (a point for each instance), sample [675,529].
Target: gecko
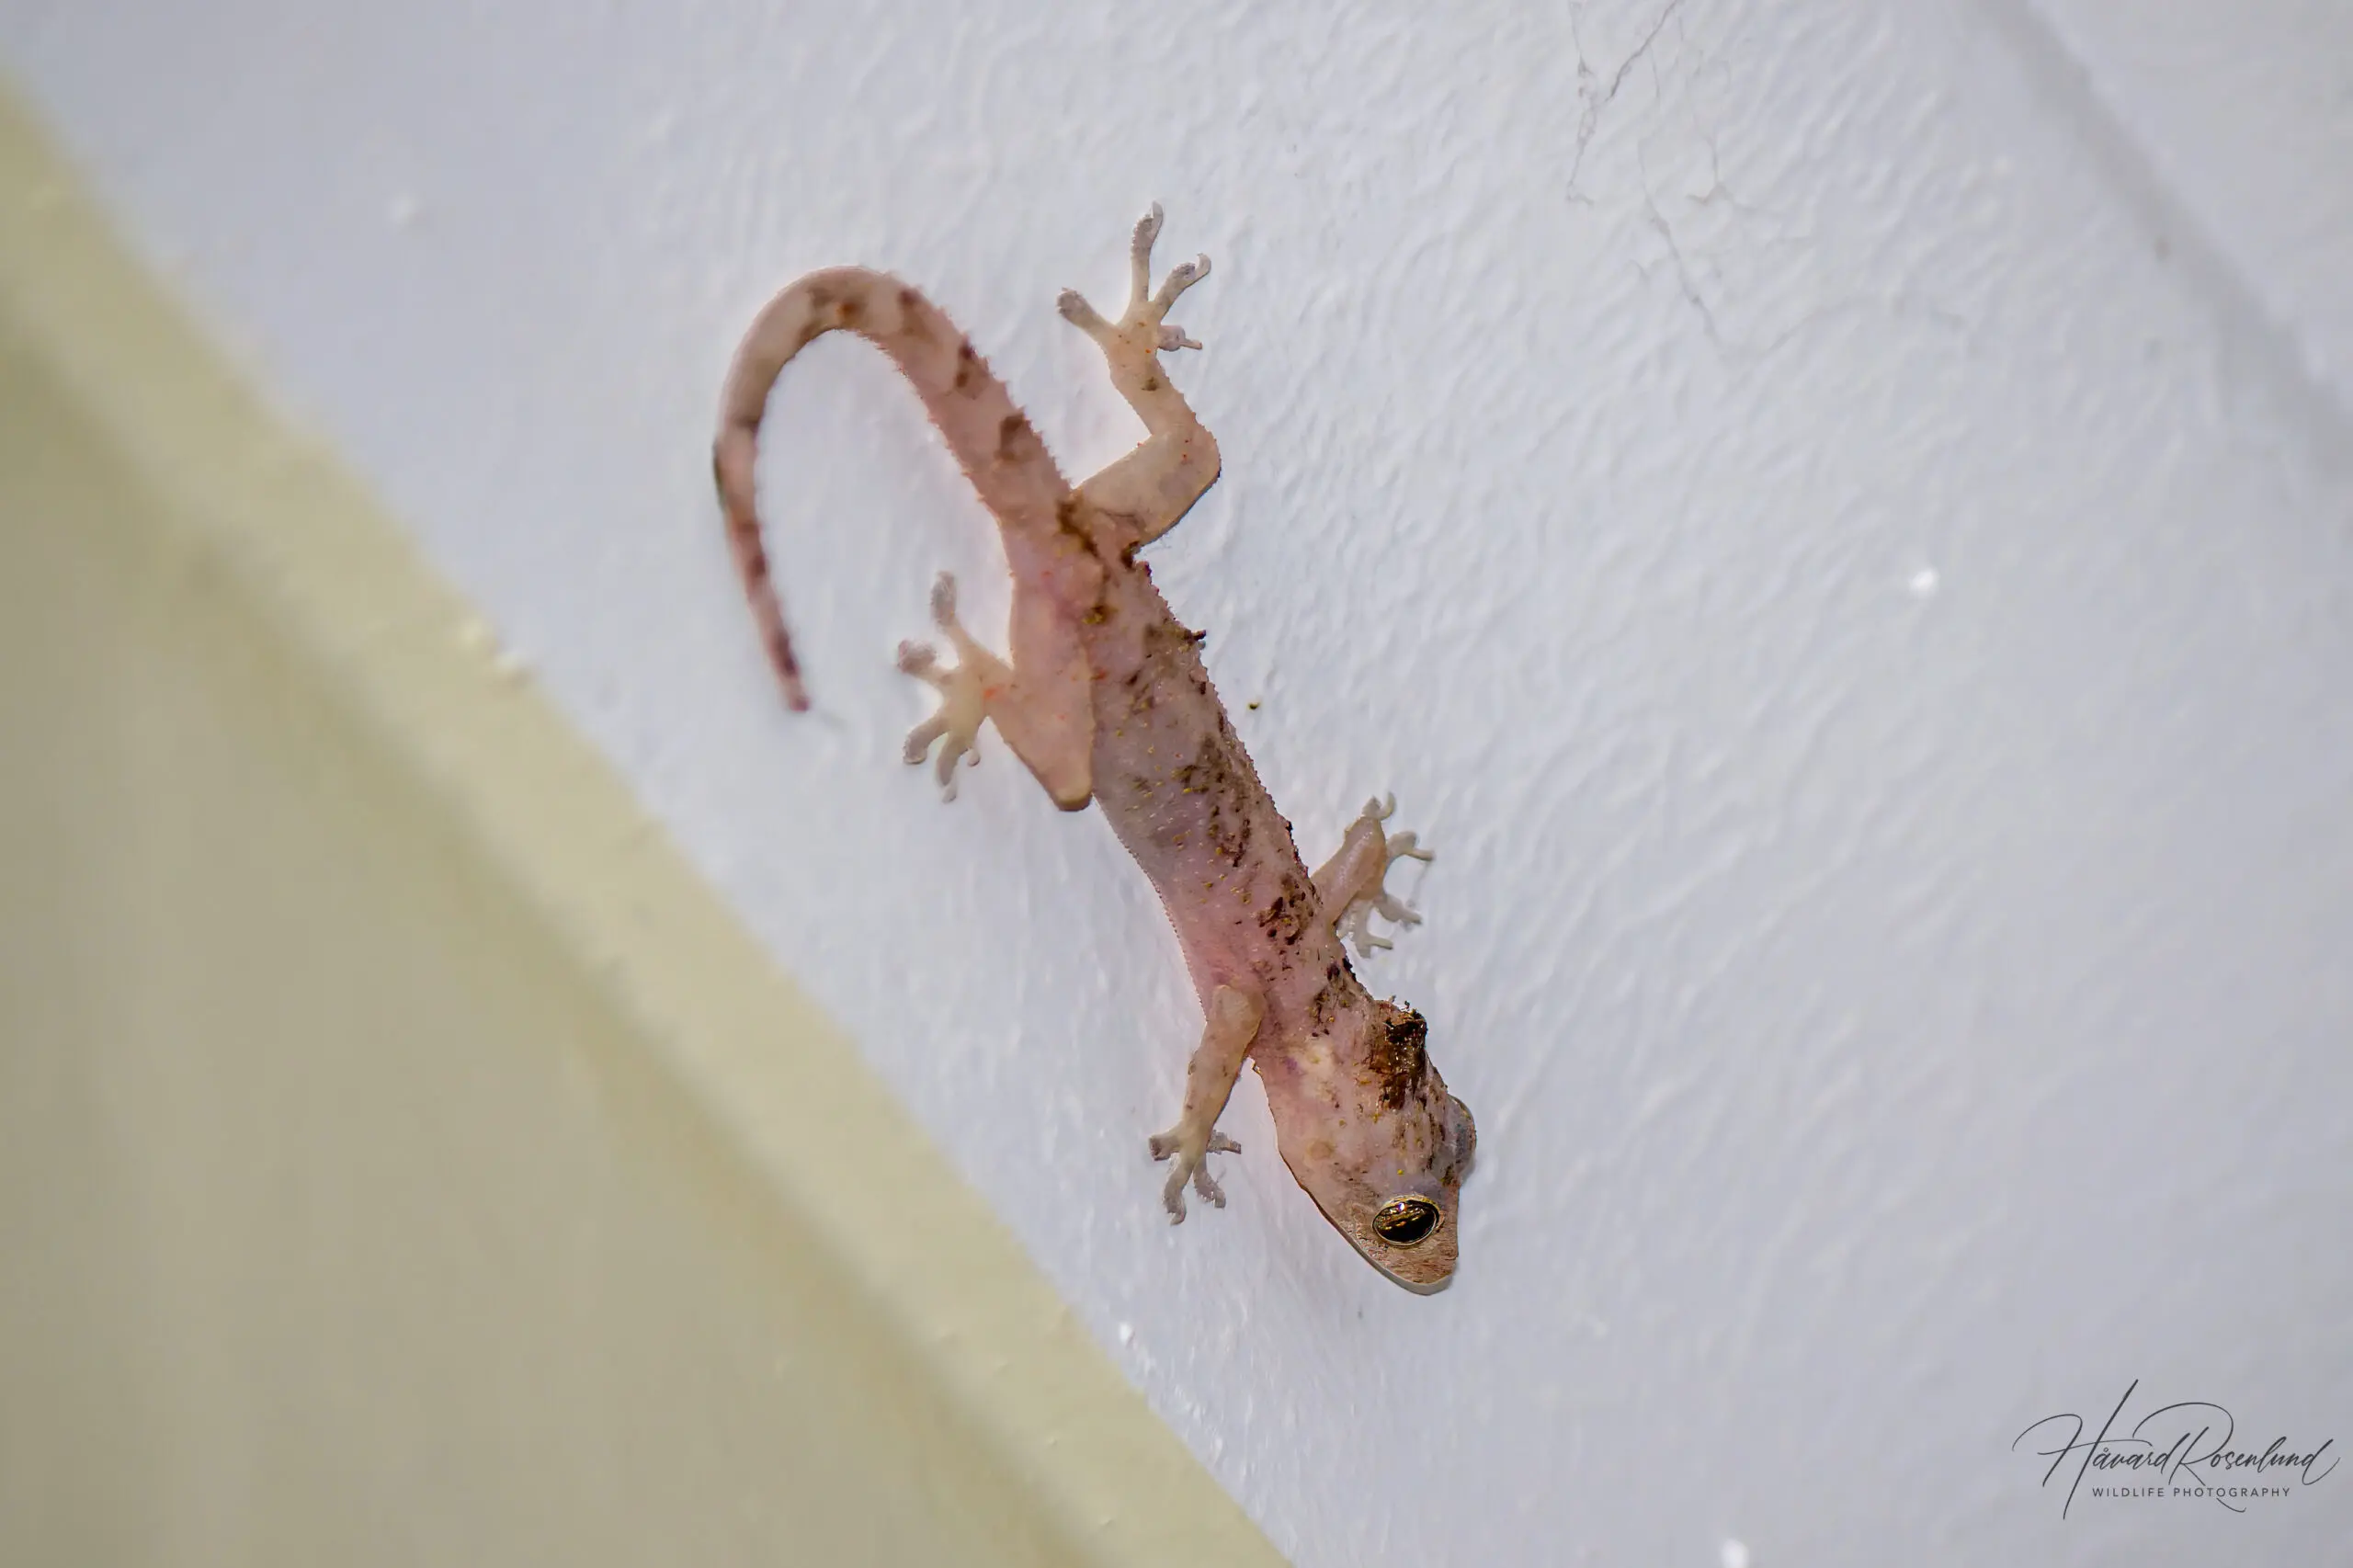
[1104,697]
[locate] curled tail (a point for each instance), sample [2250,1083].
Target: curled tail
[991,438]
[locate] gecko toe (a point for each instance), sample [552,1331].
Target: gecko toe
[919,740]
[1190,1164]
[1171,1196]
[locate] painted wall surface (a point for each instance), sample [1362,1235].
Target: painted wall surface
[1857,589]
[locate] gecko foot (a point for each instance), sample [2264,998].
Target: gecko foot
[963,691]
[1354,878]
[1189,1155]
[1142,330]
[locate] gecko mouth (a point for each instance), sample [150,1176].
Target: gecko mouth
[1428,1275]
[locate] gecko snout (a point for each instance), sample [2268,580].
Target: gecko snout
[1466,1136]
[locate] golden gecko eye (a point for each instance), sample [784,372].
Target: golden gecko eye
[1405,1221]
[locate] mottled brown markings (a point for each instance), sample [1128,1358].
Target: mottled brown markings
[1293,909]
[756,556]
[1229,831]
[1400,1058]
[1009,433]
[1152,384]
[967,364]
[914,320]
[1069,519]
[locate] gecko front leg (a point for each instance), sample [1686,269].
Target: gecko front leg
[1349,886]
[1226,1033]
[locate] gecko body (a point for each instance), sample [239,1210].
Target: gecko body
[1104,697]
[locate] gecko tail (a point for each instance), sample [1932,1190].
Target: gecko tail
[732,458]
[990,437]
[780,331]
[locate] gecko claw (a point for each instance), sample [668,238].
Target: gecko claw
[1080,314]
[1179,280]
[1190,1164]
[1147,233]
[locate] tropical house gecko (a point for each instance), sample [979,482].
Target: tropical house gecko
[1104,697]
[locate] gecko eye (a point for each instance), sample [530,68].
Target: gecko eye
[1405,1221]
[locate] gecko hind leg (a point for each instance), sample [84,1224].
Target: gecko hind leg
[980,687]
[1153,486]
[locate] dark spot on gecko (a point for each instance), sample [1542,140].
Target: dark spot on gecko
[1152,384]
[850,312]
[1400,1059]
[780,649]
[967,364]
[913,321]
[1293,909]
[1070,518]
[1011,436]
[1212,771]
[1229,829]
[1320,1009]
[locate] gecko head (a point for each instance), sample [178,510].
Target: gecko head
[1384,1150]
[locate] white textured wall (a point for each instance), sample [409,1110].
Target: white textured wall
[1834,519]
